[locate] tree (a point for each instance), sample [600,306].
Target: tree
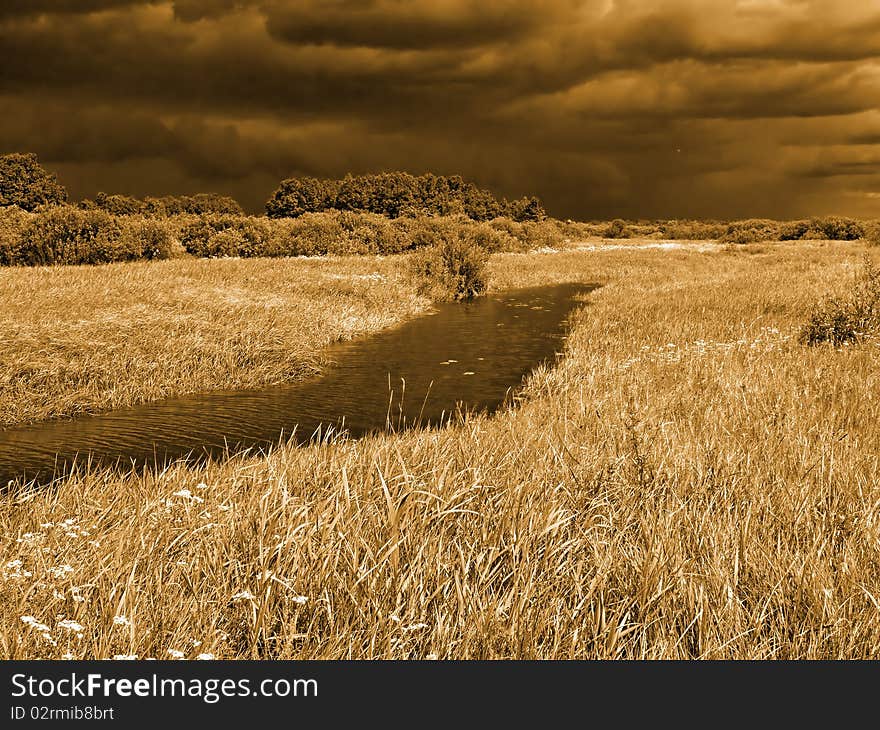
[24,182]
[119,204]
[298,195]
[526,209]
[211,203]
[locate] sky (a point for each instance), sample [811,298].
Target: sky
[603,108]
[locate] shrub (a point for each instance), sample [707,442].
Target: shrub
[312,234]
[688,230]
[836,228]
[24,183]
[872,233]
[13,221]
[617,229]
[526,209]
[794,230]
[367,233]
[152,238]
[753,230]
[228,242]
[421,231]
[843,320]
[65,235]
[250,236]
[454,269]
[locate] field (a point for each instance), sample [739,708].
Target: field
[86,339]
[688,482]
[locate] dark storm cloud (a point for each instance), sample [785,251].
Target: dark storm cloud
[21,8]
[403,24]
[603,107]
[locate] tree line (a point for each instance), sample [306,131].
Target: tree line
[26,184]
[396,194]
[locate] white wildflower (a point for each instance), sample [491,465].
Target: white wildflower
[124,657]
[34,624]
[243,596]
[121,620]
[70,625]
[176,654]
[205,657]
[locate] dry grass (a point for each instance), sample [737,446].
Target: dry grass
[688,482]
[83,339]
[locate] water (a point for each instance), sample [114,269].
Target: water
[470,356]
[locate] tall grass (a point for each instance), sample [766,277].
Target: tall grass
[688,482]
[84,339]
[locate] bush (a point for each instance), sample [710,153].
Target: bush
[526,209]
[454,269]
[312,234]
[24,183]
[421,231]
[65,235]
[367,233]
[688,230]
[152,238]
[13,221]
[794,230]
[872,233]
[843,320]
[617,229]
[753,230]
[248,237]
[836,228]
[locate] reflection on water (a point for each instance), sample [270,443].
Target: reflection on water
[419,373]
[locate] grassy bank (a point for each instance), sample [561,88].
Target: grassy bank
[82,339]
[688,482]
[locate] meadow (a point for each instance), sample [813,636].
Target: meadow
[80,339]
[689,481]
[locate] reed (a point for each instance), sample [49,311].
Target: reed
[688,482]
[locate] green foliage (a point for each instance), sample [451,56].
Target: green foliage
[24,183]
[455,268]
[848,319]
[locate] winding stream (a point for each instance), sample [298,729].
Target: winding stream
[417,374]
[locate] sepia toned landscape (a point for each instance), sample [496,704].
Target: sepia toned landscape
[424,405]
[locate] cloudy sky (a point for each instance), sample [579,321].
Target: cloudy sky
[636,108]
